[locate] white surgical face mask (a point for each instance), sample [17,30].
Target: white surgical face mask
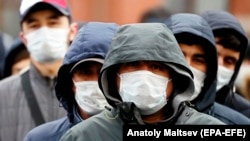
[89,97]
[145,89]
[47,44]
[199,78]
[223,77]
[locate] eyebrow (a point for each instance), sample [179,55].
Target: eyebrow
[199,55]
[30,20]
[231,57]
[52,16]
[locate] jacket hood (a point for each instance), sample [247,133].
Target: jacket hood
[92,41]
[5,44]
[191,24]
[9,58]
[148,42]
[228,21]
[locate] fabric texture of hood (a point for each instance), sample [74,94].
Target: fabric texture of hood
[192,24]
[227,21]
[146,42]
[92,41]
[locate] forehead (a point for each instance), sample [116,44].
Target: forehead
[143,62]
[38,8]
[138,64]
[87,65]
[226,51]
[192,49]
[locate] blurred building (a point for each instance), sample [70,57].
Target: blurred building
[126,11]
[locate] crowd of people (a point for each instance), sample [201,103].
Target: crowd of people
[62,80]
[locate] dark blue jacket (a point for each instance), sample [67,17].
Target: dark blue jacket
[226,95]
[92,41]
[185,24]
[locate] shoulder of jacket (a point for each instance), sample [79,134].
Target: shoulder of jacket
[14,81]
[192,116]
[10,81]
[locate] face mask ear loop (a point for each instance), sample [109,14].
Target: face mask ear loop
[118,74]
[74,82]
[169,79]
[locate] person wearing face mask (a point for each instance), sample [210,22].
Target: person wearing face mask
[77,87]
[140,79]
[242,81]
[196,41]
[231,43]
[28,99]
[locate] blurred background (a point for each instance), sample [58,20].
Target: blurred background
[126,11]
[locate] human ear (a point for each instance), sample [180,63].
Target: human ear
[73,31]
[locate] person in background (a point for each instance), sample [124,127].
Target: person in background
[231,43]
[16,59]
[5,44]
[77,88]
[246,87]
[242,81]
[196,40]
[140,79]
[157,14]
[28,99]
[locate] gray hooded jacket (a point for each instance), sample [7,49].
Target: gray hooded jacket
[134,42]
[16,119]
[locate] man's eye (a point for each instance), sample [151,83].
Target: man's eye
[200,60]
[54,22]
[157,67]
[230,61]
[33,26]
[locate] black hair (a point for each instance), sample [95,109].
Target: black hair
[228,39]
[83,66]
[190,39]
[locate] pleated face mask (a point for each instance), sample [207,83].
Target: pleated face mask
[145,89]
[47,44]
[89,97]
